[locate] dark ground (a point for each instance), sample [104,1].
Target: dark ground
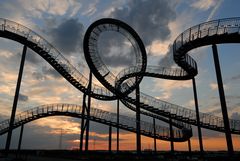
[67,155]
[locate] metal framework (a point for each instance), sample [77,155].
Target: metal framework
[97,115]
[121,86]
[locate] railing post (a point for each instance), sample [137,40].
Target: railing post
[197,116]
[222,100]
[9,135]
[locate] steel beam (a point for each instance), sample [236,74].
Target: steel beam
[197,116]
[9,135]
[222,100]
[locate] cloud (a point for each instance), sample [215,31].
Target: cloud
[167,86]
[167,60]
[39,9]
[22,97]
[67,36]
[217,6]
[46,71]
[149,18]
[165,95]
[203,4]
[190,104]
[5,54]
[115,50]
[170,84]
[235,116]
[91,9]
[33,57]
[234,78]
[214,86]
[151,21]
[159,48]
[38,76]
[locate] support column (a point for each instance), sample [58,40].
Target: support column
[197,116]
[138,127]
[9,135]
[222,100]
[82,123]
[117,125]
[171,134]
[20,138]
[155,140]
[110,139]
[189,146]
[88,111]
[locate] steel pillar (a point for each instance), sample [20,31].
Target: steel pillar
[20,138]
[155,140]
[117,125]
[82,123]
[222,100]
[9,135]
[197,116]
[138,126]
[88,111]
[85,118]
[110,139]
[189,146]
[171,134]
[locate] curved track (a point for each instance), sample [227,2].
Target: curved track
[220,31]
[97,115]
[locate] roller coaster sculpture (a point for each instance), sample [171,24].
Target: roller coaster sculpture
[123,85]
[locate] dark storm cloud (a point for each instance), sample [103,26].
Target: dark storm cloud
[67,36]
[22,97]
[149,18]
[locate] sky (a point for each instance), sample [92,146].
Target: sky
[63,24]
